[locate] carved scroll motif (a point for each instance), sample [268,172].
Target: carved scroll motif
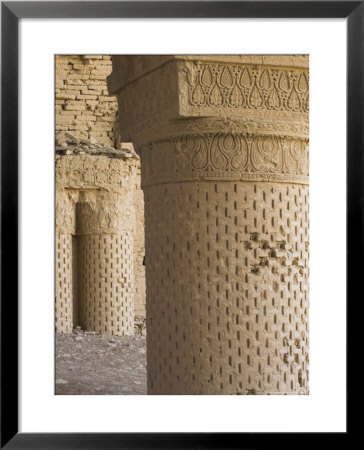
[83,171]
[247,87]
[226,156]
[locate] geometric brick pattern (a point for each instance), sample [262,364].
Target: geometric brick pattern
[105,265]
[64,283]
[227,282]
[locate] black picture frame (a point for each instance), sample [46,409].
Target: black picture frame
[11,12]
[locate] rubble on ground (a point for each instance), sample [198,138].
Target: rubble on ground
[88,363]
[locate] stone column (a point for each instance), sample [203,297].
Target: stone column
[99,191]
[223,142]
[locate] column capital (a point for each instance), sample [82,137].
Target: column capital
[96,189]
[229,117]
[261,91]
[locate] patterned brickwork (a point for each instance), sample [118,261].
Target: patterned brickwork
[64,283]
[105,283]
[227,288]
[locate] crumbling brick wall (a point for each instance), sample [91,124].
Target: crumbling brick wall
[83,104]
[84,108]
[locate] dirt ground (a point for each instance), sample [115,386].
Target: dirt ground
[92,364]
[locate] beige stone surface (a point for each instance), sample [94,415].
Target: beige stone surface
[139,251]
[223,143]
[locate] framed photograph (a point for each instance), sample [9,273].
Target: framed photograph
[180,218]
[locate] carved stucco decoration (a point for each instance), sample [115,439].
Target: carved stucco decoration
[210,96]
[236,124]
[86,171]
[226,156]
[247,87]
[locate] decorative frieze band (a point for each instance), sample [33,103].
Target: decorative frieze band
[88,171]
[203,125]
[226,156]
[239,125]
[238,86]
